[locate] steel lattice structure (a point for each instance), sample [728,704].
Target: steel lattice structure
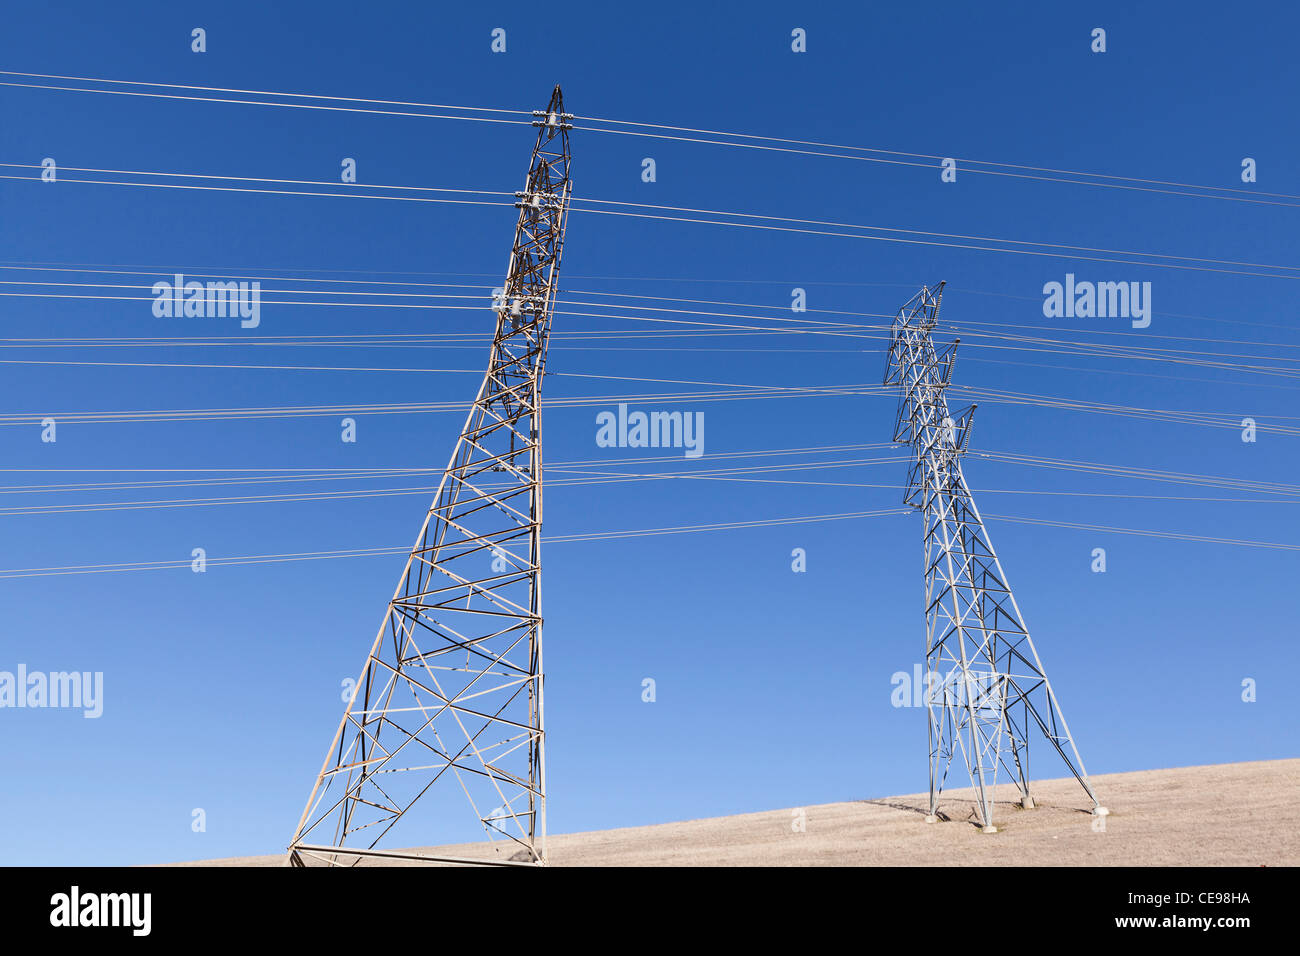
[986,688]
[450,697]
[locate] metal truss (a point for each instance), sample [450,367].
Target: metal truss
[986,688]
[450,696]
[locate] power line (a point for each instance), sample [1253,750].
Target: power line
[218,561]
[296,106]
[898,234]
[228,272]
[1171,535]
[306,96]
[243,339]
[930,156]
[950,245]
[971,166]
[736,140]
[301,411]
[273,192]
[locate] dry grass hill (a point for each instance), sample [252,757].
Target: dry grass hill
[1241,814]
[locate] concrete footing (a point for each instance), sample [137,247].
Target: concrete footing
[931,818]
[1027,802]
[989,829]
[1100,812]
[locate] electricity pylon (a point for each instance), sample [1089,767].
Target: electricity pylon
[985,685]
[450,696]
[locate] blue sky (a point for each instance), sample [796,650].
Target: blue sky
[773,688]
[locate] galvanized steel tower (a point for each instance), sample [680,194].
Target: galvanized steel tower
[448,705]
[986,689]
